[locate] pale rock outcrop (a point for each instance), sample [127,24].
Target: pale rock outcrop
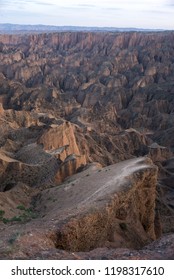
[59,136]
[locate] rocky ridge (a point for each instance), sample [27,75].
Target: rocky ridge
[113,207]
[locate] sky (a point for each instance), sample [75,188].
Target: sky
[153,14]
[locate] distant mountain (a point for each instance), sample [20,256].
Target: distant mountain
[18,28]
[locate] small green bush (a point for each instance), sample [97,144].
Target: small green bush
[5,221]
[21,207]
[2,212]
[13,238]
[16,219]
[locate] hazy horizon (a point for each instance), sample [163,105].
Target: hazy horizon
[149,14]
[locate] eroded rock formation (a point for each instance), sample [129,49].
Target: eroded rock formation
[72,103]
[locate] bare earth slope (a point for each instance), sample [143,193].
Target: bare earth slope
[85,120]
[114,206]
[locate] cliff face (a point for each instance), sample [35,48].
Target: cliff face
[73,100]
[83,40]
[114,206]
[60,136]
[36,149]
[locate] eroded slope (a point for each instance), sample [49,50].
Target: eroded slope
[114,206]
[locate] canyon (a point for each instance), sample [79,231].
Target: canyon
[86,145]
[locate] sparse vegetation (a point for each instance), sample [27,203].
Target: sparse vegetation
[20,207]
[27,215]
[2,212]
[13,238]
[5,221]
